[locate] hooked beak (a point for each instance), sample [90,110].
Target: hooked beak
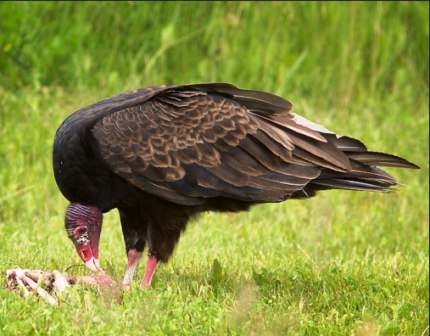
[93,265]
[90,256]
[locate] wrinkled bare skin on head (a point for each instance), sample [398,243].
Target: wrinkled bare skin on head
[83,225]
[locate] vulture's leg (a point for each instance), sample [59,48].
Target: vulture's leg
[162,243]
[133,258]
[134,230]
[150,270]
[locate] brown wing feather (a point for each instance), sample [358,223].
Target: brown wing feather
[188,143]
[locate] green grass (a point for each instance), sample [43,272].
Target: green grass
[343,263]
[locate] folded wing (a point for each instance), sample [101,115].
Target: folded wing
[194,142]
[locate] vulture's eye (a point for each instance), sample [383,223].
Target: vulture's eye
[81,230]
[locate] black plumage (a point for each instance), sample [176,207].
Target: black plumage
[163,154]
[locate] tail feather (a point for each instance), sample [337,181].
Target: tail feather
[354,184]
[363,175]
[381,159]
[285,138]
[345,143]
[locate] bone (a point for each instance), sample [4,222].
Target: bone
[19,277]
[39,290]
[49,285]
[60,282]
[35,275]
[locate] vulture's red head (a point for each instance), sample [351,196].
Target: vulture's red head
[84,225]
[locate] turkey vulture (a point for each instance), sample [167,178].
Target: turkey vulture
[163,154]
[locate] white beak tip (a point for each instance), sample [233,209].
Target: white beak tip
[93,265]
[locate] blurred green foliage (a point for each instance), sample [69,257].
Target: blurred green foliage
[343,49]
